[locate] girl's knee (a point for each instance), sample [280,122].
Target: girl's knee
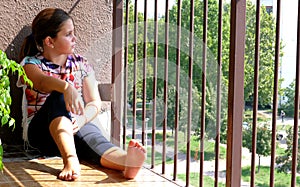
[61,122]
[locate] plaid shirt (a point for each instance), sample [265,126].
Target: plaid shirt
[74,71]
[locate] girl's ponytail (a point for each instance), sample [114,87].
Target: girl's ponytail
[29,47]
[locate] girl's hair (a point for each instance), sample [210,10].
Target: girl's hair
[47,23]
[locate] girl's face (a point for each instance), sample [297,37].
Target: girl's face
[64,42]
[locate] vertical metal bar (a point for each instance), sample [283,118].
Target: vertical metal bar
[135,61]
[177,94]
[116,71]
[255,92]
[236,92]
[275,94]
[203,102]
[125,73]
[165,120]
[296,110]
[190,84]
[219,94]
[144,74]
[154,83]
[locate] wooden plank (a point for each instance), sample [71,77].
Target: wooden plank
[43,172]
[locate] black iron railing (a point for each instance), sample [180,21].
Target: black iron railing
[149,52]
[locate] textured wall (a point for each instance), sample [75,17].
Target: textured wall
[93,23]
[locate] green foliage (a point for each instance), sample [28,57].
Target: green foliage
[261,118]
[267,51]
[194,179]
[158,157]
[285,161]
[8,67]
[262,178]
[266,57]
[136,63]
[209,146]
[263,140]
[289,100]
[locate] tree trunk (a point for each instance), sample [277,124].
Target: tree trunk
[258,163]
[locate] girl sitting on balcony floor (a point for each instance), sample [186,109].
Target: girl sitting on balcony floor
[65,99]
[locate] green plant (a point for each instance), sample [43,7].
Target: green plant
[7,68]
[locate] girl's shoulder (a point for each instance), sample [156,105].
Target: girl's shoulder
[31,60]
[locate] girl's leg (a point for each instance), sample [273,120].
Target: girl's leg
[130,162]
[92,145]
[51,132]
[61,130]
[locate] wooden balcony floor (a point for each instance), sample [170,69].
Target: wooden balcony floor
[43,172]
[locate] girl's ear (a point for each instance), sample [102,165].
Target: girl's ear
[48,41]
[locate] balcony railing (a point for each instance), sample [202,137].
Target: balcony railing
[167,79]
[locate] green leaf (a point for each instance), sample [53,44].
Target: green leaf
[12,123]
[7,67]
[4,119]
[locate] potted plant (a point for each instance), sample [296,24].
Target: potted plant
[7,68]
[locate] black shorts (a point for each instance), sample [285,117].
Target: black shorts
[89,141]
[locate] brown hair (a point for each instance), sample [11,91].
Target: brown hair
[47,23]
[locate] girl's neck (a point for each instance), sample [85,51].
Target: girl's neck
[56,59]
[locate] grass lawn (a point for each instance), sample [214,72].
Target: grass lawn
[194,180]
[209,146]
[158,158]
[262,178]
[158,155]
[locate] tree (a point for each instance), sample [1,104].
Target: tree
[267,51]
[160,72]
[289,100]
[267,55]
[263,143]
[183,106]
[139,55]
[284,162]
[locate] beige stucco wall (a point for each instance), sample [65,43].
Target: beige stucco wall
[93,23]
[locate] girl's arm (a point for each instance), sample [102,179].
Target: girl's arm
[47,84]
[92,99]
[42,82]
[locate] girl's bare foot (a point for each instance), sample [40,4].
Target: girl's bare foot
[71,169]
[136,155]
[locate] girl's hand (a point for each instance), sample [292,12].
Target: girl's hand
[72,100]
[75,128]
[78,122]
